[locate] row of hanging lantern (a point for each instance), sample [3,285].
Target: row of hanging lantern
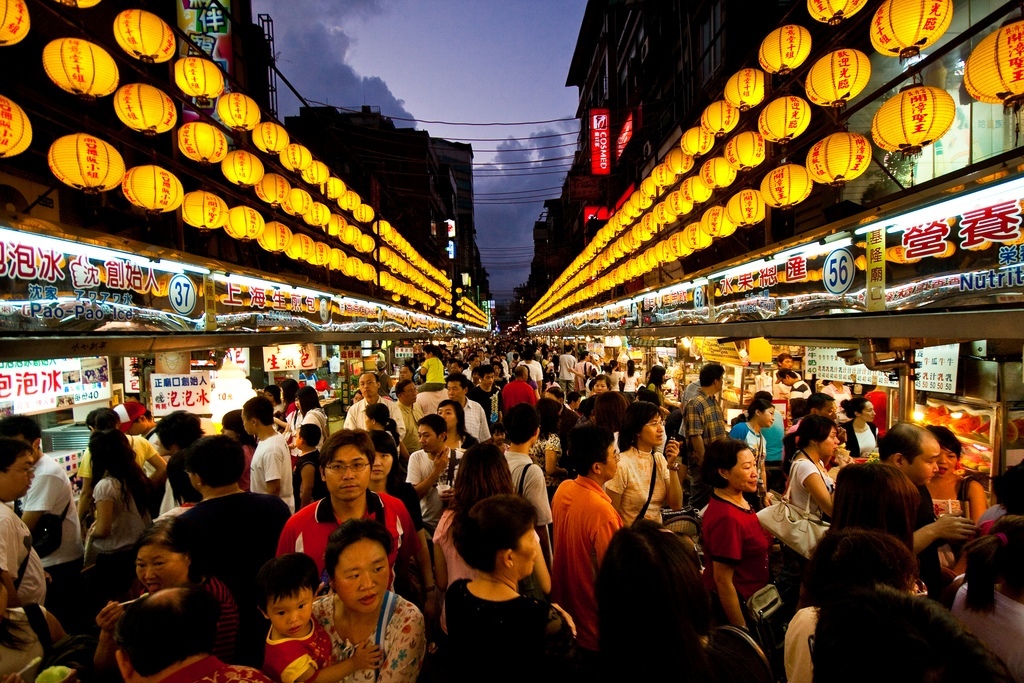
[470,312]
[900,28]
[88,163]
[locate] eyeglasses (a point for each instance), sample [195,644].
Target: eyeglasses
[656,423]
[354,468]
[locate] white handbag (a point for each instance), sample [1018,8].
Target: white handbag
[798,529]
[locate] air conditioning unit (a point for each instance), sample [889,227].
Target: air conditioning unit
[647,149]
[17,193]
[643,50]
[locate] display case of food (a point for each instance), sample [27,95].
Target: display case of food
[1014,438]
[974,425]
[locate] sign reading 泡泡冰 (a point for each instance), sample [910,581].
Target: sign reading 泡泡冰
[36,386]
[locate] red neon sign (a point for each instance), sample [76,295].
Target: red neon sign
[625,135]
[600,143]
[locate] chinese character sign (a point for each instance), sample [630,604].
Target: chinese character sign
[875,248]
[170,393]
[600,142]
[37,386]
[288,357]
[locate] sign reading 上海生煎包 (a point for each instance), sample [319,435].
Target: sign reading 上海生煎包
[258,305]
[36,386]
[171,393]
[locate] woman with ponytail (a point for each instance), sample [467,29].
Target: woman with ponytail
[378,419]
[991,601]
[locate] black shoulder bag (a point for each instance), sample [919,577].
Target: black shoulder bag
[47,536]
[650,492]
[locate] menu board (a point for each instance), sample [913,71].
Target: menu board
[936,372]
[36,386]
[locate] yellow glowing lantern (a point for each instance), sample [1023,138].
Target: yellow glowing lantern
[338,258]
[144,36]
[663,215]
[199,78]
[273,189]
[152,188]
[833,12]
[349,200]
[915,117]
[839,158]
[694,190]
[678,204]
[14,21]
[299,202]
[643,199]
[386,232]
[694,238]
[335,224]
[321,254]
[316,173]
[350,235]
[367,272]
[363,213]
[786,186]
[992,73]
[784,49]
[242,168]
[351,267]
[745,208]
[745,89]
[80,4]
[204,210]
[296,158]
[717,172]
[15,129]
[333,188]
[744,150]
[238,111]
[304,247]
[294,249]
[276,237]
[717,223]
[244,223]
[902,28]
[202,142]
[663,175]
[696,141]
[678,161]
[144,108]
[838,77]
[270,137]
[784,118]
[365,244]
[318,215]
[86,163]
[720,117]
[80,67]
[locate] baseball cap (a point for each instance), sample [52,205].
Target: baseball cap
[129,413]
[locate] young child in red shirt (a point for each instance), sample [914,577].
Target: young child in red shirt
[298,649]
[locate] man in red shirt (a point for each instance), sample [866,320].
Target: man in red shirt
[584,522]
[518,391]
[345,462]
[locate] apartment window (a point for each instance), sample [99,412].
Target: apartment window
[710,43]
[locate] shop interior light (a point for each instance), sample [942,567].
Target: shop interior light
[736,270]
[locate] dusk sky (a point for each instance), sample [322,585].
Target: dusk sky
[466,61]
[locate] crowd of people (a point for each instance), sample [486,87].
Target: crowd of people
[507,513]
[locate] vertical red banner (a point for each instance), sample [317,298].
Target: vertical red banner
[600,142]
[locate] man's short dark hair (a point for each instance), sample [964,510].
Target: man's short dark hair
[720,455]
[167,627]
[311,434]
[555,391]
[21,425]
[904,438]
[217,460]
[181,428]
[483,370]
[357,438]
[818,401]
[284,577]
[459,379]
[521,422]
[711,373]
[102,419]
[260,408]
[783,357]
[402,385]
[588,445]
[785,374]
[434,423]
[573,396]
[11,450]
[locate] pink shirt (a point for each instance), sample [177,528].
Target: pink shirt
[457,567]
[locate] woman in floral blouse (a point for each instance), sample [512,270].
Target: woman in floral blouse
[360,608]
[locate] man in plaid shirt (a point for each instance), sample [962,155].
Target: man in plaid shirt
[703,423]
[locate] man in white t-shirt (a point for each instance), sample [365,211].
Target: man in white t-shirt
[522,429]
[21,571]
[369,385]
[271,468]
[566,362]
[475,417]
[432,469]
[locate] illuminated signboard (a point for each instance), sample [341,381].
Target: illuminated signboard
[245,303]
[171,393]
[208,25]
[625,135]
[35,386]
[290,357]
[600,143]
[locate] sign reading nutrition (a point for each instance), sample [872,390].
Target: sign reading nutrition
[600,142]
[35,386]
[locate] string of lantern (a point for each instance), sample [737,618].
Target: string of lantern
[90,164]
[668,196]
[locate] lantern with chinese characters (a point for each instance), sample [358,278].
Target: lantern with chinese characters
[152,188]
[144,108]
[838,77]
[202,142]
[204,210]
[784,118]
[199,78]
[744,150]
[350,235]
[663,175]
[294,248]
[273,189]
[335,224]
[784,49]
[696,141]
[365,244]
[238,111]
[677,244]
[351,267]
[367,272]
[333,188]
[270,137]
[678,161]
[915,117]
[902,28]
[833,12]
[745,208]
[318,215]
[299,202]
[14,21]
[786,186]
[321,254]
[695,190]
[694,238]
[15,129]
[80,67]
[242,168]
[717,223]
[839,158]
[717,172]
[316,173]
[85,163]
[144,35]
[678,204]
[363,213]
[648,188]
[993,72]
[244,223]
[338,259]
[719,118]
[295,157]
[745,89]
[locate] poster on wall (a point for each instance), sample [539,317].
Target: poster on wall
[37,386]
[288,357]
[171,393]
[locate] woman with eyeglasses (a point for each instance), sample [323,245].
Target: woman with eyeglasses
[646,480]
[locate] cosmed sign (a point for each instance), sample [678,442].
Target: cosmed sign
[600,142]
